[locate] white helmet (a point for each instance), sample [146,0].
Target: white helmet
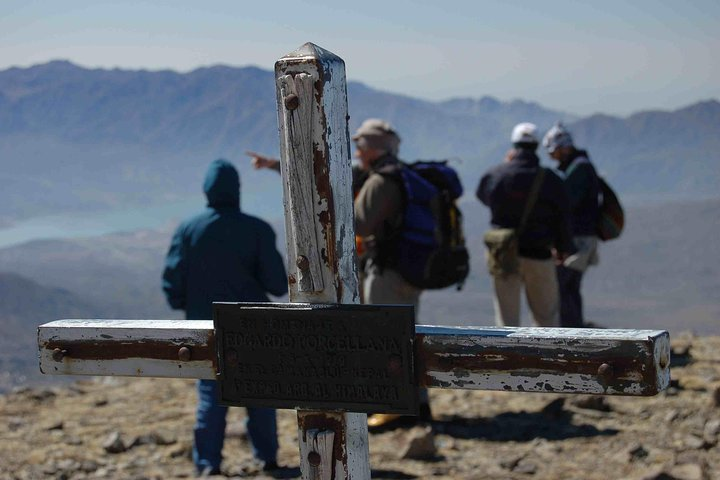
[525,133]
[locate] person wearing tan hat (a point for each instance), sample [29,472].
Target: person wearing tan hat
[378,217]
[379,209]
[378,212]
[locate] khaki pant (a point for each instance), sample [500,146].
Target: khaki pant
[541,289]
[388,287]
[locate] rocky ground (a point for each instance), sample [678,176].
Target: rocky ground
[141,429]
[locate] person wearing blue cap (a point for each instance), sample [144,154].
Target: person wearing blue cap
[583,188]
[222,254]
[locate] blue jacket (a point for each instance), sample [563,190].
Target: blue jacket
[222,254]
[505,190]
[583,188]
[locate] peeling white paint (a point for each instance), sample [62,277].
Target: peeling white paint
[459,348]
[171,332]
[540,333]
[326,136]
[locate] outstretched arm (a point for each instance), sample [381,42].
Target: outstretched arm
[261,161]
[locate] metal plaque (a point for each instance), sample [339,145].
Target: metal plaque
[356,358]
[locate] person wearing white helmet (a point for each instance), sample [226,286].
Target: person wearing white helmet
[506,190]
[583,187]
[525,135]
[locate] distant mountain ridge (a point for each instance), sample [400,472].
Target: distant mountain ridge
[77,139]
[164,108]
[208,106]
[658,151]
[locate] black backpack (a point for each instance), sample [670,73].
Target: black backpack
[429,249]
[611,219]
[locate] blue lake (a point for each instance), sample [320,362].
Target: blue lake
[74,225]
[268,207]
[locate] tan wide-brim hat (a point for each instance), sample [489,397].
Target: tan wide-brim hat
[377,134]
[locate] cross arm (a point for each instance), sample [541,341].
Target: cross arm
[620,362]
[136,348]
[557,360]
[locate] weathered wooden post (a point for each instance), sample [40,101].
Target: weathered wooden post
[317,183]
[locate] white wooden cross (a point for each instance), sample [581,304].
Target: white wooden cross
[315,151]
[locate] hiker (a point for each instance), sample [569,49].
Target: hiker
[582,186]
[223,254]
[378,213]
[378,216]
[530,223]
[399,258]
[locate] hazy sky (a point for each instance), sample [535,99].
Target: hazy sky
[583,57]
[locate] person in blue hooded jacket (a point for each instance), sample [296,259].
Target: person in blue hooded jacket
[223,254]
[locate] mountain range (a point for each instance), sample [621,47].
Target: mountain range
[77,139]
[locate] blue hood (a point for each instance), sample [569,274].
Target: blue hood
[222,185]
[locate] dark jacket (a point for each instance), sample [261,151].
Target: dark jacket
[222,254]
[582,186]
[505,190]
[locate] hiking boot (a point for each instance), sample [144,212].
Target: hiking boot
[383,420]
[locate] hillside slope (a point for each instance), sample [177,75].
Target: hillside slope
[24,304]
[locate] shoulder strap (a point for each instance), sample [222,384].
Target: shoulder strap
[532,199]
[575,162]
